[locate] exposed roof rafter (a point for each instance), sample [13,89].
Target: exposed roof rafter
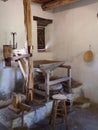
[57,3]
[51,4]
[4,0]
[42,1]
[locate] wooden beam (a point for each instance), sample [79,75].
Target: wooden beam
[28,25]
[57,3]
[41,1]
[24,107]
[42,21]
[27,21]
[16,58]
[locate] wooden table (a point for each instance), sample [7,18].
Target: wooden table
[46,66]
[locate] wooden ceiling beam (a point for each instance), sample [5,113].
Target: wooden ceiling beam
[57,3]
[41,1]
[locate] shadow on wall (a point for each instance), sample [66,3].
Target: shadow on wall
[75,5]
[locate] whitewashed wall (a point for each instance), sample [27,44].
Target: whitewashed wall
[75,28]
[37,11]
[12,20]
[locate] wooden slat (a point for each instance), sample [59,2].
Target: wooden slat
[59,80]
[57,3]
[16,58]
[23,64]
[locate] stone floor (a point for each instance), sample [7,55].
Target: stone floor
[2,127]
[79,119]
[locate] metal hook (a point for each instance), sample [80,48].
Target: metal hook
[89,47]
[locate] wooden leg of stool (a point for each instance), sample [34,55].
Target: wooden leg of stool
[50,120]
[54,114]
[65,113]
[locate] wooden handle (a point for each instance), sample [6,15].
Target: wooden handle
[24,107]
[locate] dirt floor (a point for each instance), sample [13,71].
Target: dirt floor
[79,119]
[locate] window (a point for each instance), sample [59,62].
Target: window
[41,38]
[41,24]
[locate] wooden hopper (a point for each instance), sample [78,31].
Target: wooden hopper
[51,66]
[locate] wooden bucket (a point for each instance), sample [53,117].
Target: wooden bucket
[7,50]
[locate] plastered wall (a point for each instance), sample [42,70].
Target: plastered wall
[75,28]
[37,11]
[12,20]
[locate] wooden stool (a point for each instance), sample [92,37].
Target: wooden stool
[58,99]
[23,107]
[22,127]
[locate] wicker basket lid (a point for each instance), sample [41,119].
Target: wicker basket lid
[88,56]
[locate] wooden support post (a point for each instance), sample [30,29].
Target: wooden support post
[28,25]
[47,78]
[68,67]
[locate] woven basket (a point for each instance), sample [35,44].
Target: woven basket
[88,56]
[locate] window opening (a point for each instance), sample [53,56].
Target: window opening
[41,24]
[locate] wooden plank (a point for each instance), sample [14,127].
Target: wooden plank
[42,21]
[37,63]
[57,3]
[58,80]
[24,107]
[23,64]
[16,110]
[65,66]
[41,1]
[16,58]
[21,128]
[39,92]
[21,107]
[50,67]
[28,25]
[22,69]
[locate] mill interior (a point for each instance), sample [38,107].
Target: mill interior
[48,65]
